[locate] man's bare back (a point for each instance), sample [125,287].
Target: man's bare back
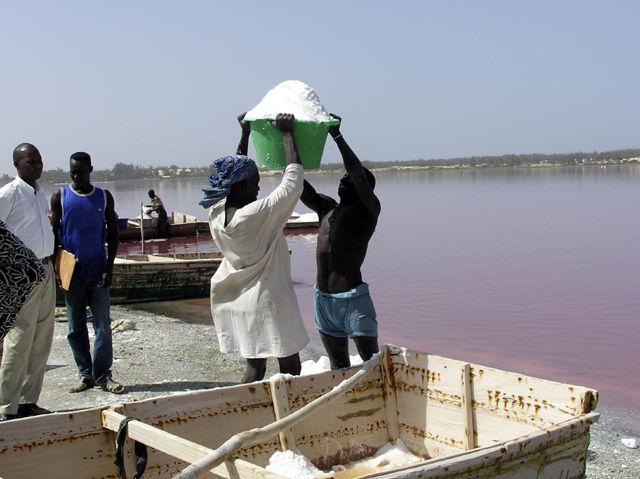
[342,305]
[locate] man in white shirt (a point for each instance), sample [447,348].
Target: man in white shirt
[24,209]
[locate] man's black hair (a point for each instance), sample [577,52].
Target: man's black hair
[82,157]
[18,151]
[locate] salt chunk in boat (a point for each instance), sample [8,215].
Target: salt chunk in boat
[289,464]
[392,454]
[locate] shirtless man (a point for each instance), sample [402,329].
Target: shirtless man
[342,305]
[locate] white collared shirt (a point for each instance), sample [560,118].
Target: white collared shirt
[25,211]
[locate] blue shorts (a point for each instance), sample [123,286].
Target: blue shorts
[345,314]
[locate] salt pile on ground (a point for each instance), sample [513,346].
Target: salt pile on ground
[323,364]
[290,464]
[314,367]
[291,96]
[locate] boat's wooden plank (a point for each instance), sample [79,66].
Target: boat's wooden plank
[509,395]
[529,399]
[207,417]
[257,435]
[187,451]
[430,407]
[356,427]
[429,399]
[47,427]
[431,420]
[280,398]
[558,452]
[467,408]
[492,429]
[390,400]
[30,446]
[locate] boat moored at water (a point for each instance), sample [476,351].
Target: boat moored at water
[160,277]
[183,225]
[461,420]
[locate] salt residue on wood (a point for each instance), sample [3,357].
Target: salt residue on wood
[291,96]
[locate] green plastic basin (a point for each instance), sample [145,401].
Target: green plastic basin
[310,138]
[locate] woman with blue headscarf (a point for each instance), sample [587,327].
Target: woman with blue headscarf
[253,303]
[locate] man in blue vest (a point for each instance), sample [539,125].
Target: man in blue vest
[83,216]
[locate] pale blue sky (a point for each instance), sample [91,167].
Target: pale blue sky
[161,82]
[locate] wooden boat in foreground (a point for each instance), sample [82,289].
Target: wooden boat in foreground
[463,420]
[150,277]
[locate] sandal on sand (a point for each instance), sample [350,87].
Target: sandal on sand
[109,385]
[85,383]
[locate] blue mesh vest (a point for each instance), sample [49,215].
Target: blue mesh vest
[83,229]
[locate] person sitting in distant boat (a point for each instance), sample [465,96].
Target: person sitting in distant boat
[157,206]
[253,303]
[342,304]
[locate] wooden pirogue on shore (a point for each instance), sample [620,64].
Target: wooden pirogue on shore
[464,421]
[160,277]
[155,277]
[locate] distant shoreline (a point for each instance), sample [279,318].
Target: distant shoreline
[612,158]
[333,168]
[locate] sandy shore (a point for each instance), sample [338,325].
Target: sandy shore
[157,354]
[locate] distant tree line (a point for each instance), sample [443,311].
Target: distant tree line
[123,171]
[617,157]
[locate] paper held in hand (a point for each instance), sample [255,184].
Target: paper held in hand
[65,263]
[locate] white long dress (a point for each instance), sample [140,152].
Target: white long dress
[253,304]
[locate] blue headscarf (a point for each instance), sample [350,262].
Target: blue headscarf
[228,170]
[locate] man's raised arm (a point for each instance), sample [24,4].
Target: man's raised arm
[243,145]
[355,170]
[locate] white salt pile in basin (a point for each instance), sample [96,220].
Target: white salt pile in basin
[291,96]
[290,464]
[390,456]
